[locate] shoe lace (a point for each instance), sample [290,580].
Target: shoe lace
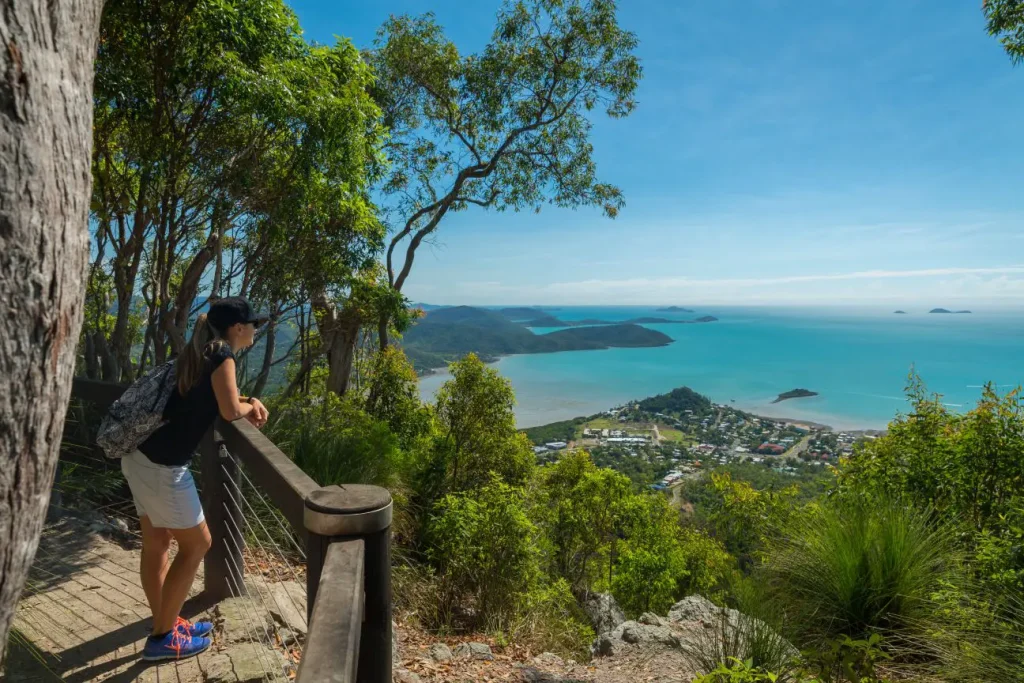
[178,641]
[182,624]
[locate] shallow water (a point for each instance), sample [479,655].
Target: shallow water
[856,359]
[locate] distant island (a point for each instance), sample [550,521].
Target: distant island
[446,334]
[674,309]
[944,310]
[900,312]
[795,393]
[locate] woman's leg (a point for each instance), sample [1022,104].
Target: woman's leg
[192,546]
[153,566]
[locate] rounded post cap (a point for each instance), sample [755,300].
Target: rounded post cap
[348,510]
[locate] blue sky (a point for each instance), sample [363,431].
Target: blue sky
[833,151]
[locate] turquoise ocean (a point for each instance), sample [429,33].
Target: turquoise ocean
[857,359]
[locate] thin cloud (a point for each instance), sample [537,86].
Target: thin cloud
[732,282]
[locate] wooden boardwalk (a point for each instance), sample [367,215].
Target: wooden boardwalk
[83,615]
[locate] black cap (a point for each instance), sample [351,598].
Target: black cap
[232,310]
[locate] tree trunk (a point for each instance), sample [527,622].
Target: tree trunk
[268,358]
[382,330]
[46,61]
[339,332]
[342,353]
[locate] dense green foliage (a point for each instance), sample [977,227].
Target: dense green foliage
[556,431]
[230,157]
[676,402]
[966,467]
[335,441]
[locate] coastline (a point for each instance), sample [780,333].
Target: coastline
[757,409]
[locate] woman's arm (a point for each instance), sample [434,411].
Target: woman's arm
[225,388]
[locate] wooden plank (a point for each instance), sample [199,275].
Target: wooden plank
[271,470]
[101,394]
[332,646]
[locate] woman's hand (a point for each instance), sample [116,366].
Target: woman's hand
[258,416]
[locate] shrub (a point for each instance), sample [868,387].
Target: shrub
[579,508]
[334,441]
[857,569]
[744,518]
[845,659]
[484,550]
[738,671]
[658,562]
[393,396]
[967,467]
[548,619]
[477,428]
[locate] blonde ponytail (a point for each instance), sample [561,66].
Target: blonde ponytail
[205,340]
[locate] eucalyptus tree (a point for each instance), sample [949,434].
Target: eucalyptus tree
[232,157]
[506,128]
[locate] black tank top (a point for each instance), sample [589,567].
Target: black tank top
[188,417]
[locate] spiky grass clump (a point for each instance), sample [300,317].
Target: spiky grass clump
[860,568]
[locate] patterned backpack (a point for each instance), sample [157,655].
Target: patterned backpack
[138,413]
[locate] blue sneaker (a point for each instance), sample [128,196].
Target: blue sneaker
[175,645]
[199,629]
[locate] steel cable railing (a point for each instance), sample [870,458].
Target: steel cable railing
[259,544]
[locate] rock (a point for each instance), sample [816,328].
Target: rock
[474,650]
[239,663]
[633,633]
[233,620]
[288,637]
[120,525]
[405,676]
[396,657]
[548,659]
[694,608]
[440,652]
[533,675]
[652,619]
[605,614]
[606,645]
[287,605]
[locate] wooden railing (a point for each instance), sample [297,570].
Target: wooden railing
[346,530]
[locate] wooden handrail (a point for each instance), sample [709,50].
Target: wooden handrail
[101,394]
[332,646]
[270,469]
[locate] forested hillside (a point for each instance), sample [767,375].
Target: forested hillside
[449,333]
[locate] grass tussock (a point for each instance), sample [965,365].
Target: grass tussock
[857,569]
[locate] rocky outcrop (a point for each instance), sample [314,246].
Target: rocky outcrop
[633,633]
[694,626]
[604,613]
[695,608]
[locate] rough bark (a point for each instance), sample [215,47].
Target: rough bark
[47,50]
[339,331]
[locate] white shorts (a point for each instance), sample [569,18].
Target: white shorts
[167,495]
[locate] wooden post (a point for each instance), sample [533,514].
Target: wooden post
[356,512]
[221,506]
